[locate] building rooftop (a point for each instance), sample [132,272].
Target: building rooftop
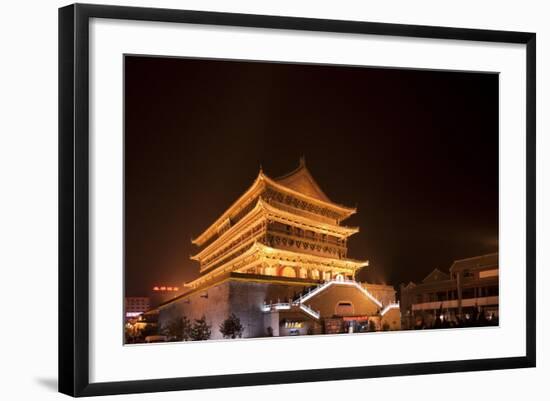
[302,181]
[436,275]
[298,183]
[476,263]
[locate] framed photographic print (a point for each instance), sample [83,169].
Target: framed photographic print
[276,199]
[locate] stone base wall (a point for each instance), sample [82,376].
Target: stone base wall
[244,299]
[212,303]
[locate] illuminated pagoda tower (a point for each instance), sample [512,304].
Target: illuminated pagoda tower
[271,255]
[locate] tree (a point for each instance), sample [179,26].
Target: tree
[177,329]
[232,327]
[200,330]
[372,325]
[150,329]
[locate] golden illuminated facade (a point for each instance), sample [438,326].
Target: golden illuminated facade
[284,227]
[277,259]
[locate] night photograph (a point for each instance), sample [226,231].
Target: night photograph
[267,199]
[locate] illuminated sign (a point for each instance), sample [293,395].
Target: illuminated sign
[357,318]
[133,314]
[165,288]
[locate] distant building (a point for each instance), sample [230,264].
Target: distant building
[470,290]
[138,328]
[277,258]
[135,306]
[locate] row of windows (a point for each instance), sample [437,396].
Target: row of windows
[477,292]
[297,231]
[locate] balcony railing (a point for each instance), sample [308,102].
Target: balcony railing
[299,302]
[466,302]
[310,311]
[342,281]
[393,305]
[276,306]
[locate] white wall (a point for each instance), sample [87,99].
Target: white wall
[28,200]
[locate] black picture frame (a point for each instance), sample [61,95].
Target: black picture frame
[74,198]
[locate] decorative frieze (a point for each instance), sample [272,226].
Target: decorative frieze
[280,199]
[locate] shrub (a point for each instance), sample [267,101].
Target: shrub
[232,327]
[200,330]
[177,329]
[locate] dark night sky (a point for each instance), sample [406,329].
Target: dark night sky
[415,151]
